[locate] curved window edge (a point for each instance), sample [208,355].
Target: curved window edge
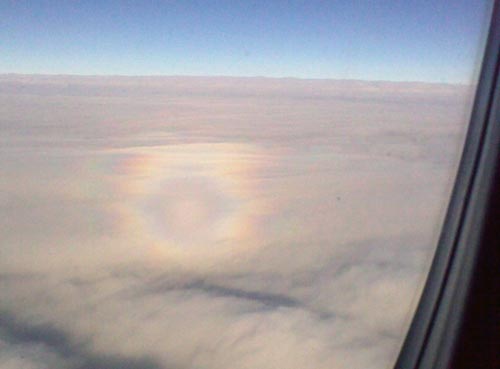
[434,335]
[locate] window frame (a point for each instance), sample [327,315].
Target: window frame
[437,336]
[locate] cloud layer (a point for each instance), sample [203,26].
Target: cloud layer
[181,222]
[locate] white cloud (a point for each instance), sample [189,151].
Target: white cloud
[317,207]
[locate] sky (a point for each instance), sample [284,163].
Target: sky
[424,40]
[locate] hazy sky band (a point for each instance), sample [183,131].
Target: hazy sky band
[374,40]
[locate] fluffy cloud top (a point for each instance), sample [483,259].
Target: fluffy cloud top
[218,222]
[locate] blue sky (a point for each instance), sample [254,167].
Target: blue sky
[418,40]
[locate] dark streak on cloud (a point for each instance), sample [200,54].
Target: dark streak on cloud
[75,354]
[272,300]
[267,300]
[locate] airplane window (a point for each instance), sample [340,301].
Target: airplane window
[230,184]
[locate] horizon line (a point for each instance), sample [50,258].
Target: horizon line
[229,77]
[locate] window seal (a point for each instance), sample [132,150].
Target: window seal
[433,335]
